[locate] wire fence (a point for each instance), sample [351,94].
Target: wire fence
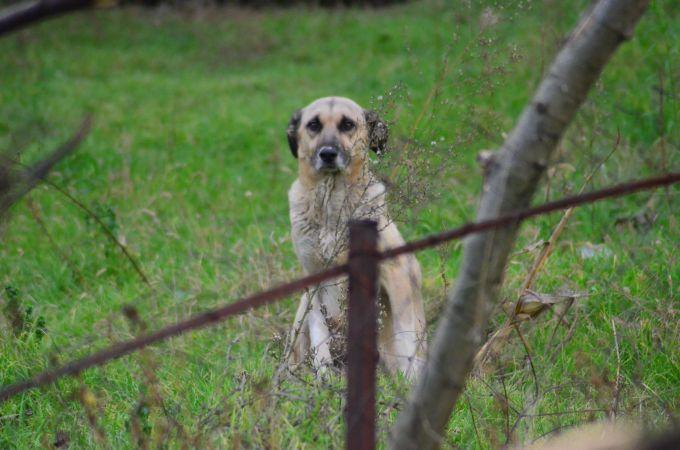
[362,270]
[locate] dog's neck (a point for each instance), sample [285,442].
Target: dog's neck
[322,211]
[339,198]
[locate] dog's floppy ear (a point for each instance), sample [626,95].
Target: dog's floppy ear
[377,131]
[292,131]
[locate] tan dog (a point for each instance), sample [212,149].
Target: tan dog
[331,139]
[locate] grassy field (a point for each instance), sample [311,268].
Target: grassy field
[188,165]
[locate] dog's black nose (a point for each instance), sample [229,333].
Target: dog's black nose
[328,153]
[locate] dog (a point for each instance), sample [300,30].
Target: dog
[331,139]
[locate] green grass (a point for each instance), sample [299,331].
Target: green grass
[187,163]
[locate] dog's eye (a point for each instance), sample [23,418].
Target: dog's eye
[314,125]
[346,125]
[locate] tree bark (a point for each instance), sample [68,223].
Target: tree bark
[512,180]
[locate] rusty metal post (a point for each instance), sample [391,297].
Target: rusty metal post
[362,351]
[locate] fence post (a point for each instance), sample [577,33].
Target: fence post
[362,352]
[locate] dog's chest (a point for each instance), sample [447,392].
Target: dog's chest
[319,218]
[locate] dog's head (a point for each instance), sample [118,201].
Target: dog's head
[334,134]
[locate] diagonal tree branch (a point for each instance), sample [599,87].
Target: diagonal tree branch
[513,178]
[19,16]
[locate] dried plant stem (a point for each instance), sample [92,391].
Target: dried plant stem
[549,245]
[617,382]
[539,262]
[426,105]
[37,216]
[107,231]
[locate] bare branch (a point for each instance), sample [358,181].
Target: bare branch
[28,13]
[511,185]
[13,187]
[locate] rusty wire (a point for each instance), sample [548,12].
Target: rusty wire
[262,298]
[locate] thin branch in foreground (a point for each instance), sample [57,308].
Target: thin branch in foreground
[15,187]
[42,169]
[260,299]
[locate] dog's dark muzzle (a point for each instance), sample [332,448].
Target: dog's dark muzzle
[328,154]
[330,158]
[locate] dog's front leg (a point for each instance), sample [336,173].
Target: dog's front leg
[319,334]
[406,347]
[299,335]
[310,333]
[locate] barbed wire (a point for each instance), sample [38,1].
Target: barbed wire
[262,298]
